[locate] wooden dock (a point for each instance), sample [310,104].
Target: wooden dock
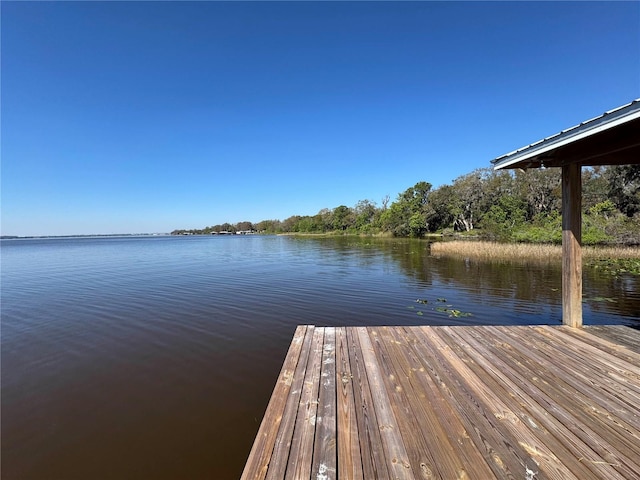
[522,402]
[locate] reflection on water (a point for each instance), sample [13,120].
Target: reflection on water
[155,357]
[516,285]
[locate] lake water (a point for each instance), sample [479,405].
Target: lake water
[154,357]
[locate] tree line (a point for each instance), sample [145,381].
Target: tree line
[503,205]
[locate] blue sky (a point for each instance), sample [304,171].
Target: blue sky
[131,117]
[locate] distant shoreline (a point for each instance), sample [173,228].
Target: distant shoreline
[92,235]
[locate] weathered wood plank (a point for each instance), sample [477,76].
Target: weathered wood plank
[476,461]
[397,460]
[482,403]
[553,424]
[374,463]
[350,462]
[260,455]
[602,366]
[616,340]
[574,409]
[595,389]
[453,402]
[599,405]
[301,454]
[625,361]
[325,460]
[502,461]
[619,335]
[280,456]
[420,455]
[437,444]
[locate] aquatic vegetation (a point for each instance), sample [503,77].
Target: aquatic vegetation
[616,266]
[452,312]
[628,258]
[447,309]
[599,299]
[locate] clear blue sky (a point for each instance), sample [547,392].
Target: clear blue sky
[123,117]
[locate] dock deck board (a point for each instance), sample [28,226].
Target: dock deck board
[481,402]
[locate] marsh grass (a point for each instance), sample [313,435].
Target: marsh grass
[480,250]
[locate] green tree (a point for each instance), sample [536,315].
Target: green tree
[305,224]
[244,226]
[503,217]
[467,199]
[342,218]
[595,188]
[323,220]
[440,214]
[540,189]
[624,188]
[290,224]
[407,216]
[268,226]
[365,215]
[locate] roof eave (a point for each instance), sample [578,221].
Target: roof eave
[530,155]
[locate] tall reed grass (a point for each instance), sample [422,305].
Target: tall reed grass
[524,251]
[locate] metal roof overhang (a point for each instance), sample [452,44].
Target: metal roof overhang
[610,139]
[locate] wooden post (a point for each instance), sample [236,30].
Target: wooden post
[571,245]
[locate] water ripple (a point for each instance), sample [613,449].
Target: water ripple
[173,343]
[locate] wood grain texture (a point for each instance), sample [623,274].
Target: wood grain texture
[374,464]
[523,402]
[284,439]
[572,245]
[324,450]
[397,460]
[301,453]
[350,464]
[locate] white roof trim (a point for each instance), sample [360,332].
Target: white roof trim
[610,119]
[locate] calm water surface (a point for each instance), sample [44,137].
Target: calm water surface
[154,357]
